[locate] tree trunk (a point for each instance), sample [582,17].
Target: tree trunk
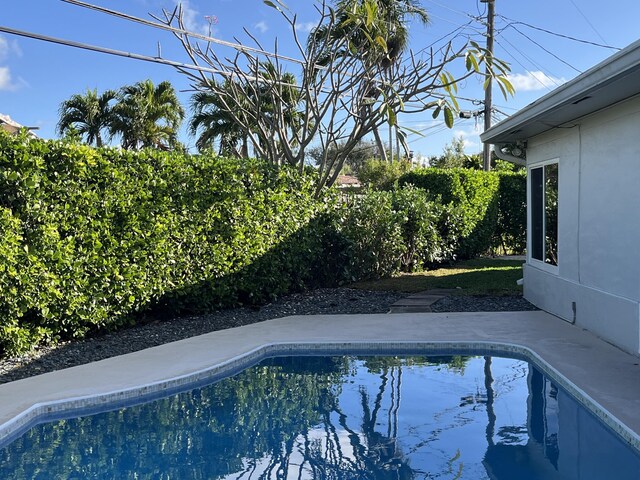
[245,147]
[381,147]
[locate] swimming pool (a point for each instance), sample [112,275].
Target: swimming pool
[339,417]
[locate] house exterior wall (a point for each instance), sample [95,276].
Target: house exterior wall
[597,280]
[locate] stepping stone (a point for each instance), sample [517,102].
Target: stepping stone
[410,309]
[427,296]
[417,301]
[420,302]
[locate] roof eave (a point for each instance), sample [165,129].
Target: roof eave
[604,78]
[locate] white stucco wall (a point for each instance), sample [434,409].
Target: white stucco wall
[598,225]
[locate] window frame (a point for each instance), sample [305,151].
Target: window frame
[541,264]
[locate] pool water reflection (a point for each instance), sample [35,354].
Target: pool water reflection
[340,418]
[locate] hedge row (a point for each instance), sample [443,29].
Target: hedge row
[487,210]
[92,237]
[511,231]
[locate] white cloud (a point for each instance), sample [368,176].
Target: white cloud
[8,47]
[306,26]
[261,26]
[4,48]
[532,81]
[193,21]
[6,81]
[470,138]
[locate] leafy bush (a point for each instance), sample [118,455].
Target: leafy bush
[472,198]
[486,210]
[511,232]
[381,175]
[371,232]
[420,217]
[382,233]
[93,237]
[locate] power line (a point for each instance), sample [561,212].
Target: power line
[109,51]
[483,13]
[587,20]
[446,35]
[459,12]
[524,55]
[568,37]
[508,108]
[180,31]
[443,19]
[120,53]
[434,130]
[534,63]
[545,49]
[207,38]
[159,60]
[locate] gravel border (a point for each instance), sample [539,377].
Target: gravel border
[321,301]
[478,303]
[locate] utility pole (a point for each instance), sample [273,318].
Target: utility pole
[488,96]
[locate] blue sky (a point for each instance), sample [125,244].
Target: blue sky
[35,77]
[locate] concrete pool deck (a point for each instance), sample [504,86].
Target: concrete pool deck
[591,369]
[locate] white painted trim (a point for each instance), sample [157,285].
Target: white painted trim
[542,163]
[553,269]
[546,267]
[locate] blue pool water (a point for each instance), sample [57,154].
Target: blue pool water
[421,417]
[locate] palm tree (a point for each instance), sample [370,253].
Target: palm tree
[375,30]
[212,121]
[388,20]
[147,116]
[88,114]
[287,98]
[271,103]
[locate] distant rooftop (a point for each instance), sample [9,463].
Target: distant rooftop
[11,126]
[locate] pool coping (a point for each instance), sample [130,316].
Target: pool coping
[240,357]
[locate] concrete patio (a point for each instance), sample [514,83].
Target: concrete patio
[601,376]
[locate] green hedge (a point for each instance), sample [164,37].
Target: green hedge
[384,232]
[487,210]
[472,196]
[91,237]
[511,231]
[94,238]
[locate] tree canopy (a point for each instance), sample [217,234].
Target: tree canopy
[142,115]
[147,116]
[345,88]
[88,114]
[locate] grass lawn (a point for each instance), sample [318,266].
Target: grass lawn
[484,276]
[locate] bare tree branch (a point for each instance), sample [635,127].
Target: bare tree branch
[340,96]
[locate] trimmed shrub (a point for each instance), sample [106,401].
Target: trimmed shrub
[471,196]
[420,216]
[92,237]
[382,233]
[370,230]
[511,232]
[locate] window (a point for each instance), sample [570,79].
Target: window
[544,213]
